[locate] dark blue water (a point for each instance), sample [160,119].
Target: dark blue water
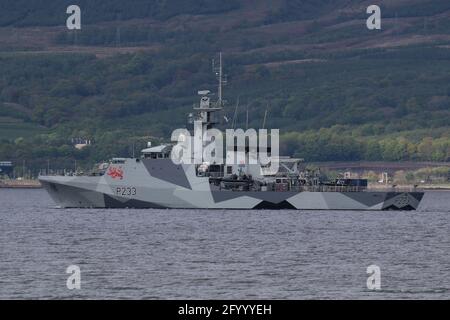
[174,254]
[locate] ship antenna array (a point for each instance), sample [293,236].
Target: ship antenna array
[218,70]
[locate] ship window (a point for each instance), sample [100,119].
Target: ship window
[215,168]
[229,169]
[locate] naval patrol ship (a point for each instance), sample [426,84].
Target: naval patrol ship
[154,180]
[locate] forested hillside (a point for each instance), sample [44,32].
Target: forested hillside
[337,90]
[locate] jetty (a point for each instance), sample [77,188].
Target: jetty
[20,184]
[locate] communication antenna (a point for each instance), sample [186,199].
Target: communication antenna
[75,37]
[118,31]
[246,120]
[396,23]
[264,120]
[233,123]
[218,70]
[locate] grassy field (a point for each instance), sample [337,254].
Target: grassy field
[11,129]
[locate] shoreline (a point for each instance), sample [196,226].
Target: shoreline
[20,184]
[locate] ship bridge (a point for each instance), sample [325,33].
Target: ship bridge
[158,152]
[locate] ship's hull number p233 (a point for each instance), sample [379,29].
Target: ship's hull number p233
[126,191]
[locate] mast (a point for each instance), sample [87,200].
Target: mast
[207,108]
[221,78]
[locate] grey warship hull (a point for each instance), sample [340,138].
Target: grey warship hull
[159,183]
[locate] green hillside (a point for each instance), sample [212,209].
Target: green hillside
[335,89]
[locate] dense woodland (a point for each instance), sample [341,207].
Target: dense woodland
[372,103]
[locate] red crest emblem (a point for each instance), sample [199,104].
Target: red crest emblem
[115,173]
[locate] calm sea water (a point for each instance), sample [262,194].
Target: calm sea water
[184,254]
